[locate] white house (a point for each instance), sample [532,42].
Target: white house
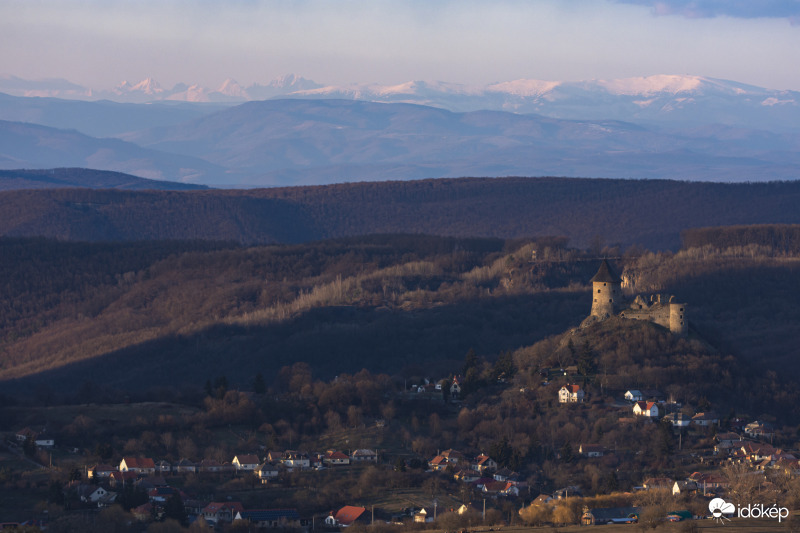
[571,394]
[245,463]
[265,472]
[649,409]
[678,420]
[364,455]
[705,419]
[634,395]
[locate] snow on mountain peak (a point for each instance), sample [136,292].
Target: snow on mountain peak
[231,87]
[524,87]
[148,86]
[648,85]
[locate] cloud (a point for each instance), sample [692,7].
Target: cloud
[744,9]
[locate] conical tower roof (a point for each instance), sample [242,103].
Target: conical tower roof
[605,274]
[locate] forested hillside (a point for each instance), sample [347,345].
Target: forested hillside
[131,318]
[588,212]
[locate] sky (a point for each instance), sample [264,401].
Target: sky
[99,43]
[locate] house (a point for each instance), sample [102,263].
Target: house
[591,450]
[266,471]
[678,420]
[119,479]
[24,434]
[504,474]
[421,516]
[295,460]
[210,466]
[221,512]
[648,409]
[759,430]
[707,481]
[101,471]
[501,488]
[271,518]
[91,493]
[683,487]
[163,467]
[245,463]
[455,387]
[438,463]
[756,451]
[571,394]
[484,463]
[705,419]
[542,499]
[364,456]
[161,494]
[43,442]
[140,465]
[466,475]
[609,515]
[347,516]
[468,508]
[335,458]
[185,466]
[634,395]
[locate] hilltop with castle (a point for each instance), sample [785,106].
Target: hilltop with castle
[608,300]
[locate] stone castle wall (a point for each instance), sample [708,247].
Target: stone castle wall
[661,311]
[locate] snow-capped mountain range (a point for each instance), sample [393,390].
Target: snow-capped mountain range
[667,99]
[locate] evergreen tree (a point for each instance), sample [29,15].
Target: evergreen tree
[259,387]
[174,508]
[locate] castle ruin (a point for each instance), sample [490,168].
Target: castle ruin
[607,301]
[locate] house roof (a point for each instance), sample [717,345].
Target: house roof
[139,462]
[349,514]
[363,452]
[605,274]
[247,459]
[572,388]
[330,454]
[482,458]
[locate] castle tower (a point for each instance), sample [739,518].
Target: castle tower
[677,319]
[606,291]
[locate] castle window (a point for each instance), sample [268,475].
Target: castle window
[681,309]
[598,291]
[610,300]
[595,300]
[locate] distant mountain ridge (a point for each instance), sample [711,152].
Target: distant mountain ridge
[665,98]
[59,178]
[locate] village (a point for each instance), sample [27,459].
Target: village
[650,458]
[740,448]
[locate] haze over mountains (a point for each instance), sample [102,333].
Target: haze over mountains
[673,127]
